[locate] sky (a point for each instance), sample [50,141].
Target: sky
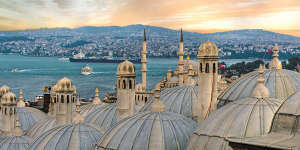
[205,16]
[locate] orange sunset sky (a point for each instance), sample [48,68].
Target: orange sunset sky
[193,15]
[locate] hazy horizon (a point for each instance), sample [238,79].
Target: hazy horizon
[203,16]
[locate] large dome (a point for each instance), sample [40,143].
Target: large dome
[149,130]
[14,142]
[29,116]
[247,117]
[70,136]
[285,127]
[181,99]
[104,115]
[4,89]
[281,84]
[41,127]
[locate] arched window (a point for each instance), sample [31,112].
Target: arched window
[214,68]
[119,86]
[124,84]
[207,68]
[73,99]
[130,84]
[138,97]
[146,99]
[54,99]
[201,67]
[62,99]
[68,99]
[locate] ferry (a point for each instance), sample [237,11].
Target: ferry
[86,70]
[80,57]
[15,70]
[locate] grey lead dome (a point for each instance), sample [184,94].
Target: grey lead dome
[149,130]
[181,99]
[280,82]
[80,136]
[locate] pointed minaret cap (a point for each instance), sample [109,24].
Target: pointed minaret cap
[181,35]
[78,118]
[21,103]
[97,100]
[17,131]
[144,36]
[157,105]
[260,91]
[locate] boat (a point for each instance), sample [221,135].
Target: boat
[80,58]
[63,59]
[86,70]
[15,70]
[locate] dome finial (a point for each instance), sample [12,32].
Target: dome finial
[78,118]
[21,103]
[260,91]
[275,63]
[17,131]
[157,105]
[97,100]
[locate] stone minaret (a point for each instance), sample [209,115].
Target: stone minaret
[64,100]
[190,80]
[125,89]
[180,61]
[78,118]
[207,79]
[169,75]
[144,62]
[275,63]
[8,111]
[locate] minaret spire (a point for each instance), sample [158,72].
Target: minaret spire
[180,61]
[144,62]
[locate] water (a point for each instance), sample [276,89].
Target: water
[37,72]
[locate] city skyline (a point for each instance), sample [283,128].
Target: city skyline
[198,16]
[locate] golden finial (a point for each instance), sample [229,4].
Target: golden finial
[260,91]
[78,118]
[97,100]
[157,105]
[21,103]
[17,131]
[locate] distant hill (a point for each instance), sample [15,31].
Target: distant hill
[248,34]
[160,32]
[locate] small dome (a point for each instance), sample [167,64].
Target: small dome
[9,99]
[64,85]
[280,83]
[139,87]
[79,136]
[208,49]
[4,89]
[104,116]
[41,127]
[173,79]
[248,117]
[187,64]
[181,99]
[149,130]
[29,116]
[126,68]
[14,142]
